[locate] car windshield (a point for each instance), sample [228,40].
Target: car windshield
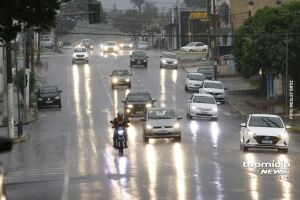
[213,85]
[206,71]
[161,114]
[120,73]
[139,54]
[110,43]
[46,90]
[139,97]
[169,55]
[78,50]
[143,43]
[204,99]
[197,77]
[259,121]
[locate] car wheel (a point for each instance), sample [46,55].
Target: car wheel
[73,62]
[214,118]
[244,148]
[204,50]
[188,116]
[178,138]
[129,85]
[146,140]
[186,89]
[283,150]
[59,104]
[191,50]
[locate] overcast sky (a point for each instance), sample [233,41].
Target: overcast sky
[125,4]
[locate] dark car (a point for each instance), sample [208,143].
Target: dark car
[88,44]
[120,78]
[137,103]
[138,58]
[47,96]
[209,72]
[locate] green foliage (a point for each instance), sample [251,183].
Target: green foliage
[20,77]
[261,42]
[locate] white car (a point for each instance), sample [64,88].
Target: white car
[161,122]
[111,47]
[80,54]
[195,46]
[202,105]
[193,81]
[214,88]
[168,60]
[264,131]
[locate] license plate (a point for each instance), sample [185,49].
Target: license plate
[48,101]
[139,62]
[266,141]
[139,112]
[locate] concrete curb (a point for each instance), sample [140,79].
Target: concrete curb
[236,108]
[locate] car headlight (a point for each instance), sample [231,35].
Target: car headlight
[127,80]
[193,107]
[215,109]
[148,127]
[128,110]
[115,80]
[86,55]
[175,62]
[148,105]
[132,60]
[164,61]
[145,60]
[176,125]
[92,46]
[116,48]
[105,48]
[121,45]
[251,133]
[130,106]
[284,134]
[130,45]
[57,97]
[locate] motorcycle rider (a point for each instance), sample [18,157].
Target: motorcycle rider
[120,121]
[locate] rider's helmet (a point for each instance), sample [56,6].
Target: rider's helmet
[120,115]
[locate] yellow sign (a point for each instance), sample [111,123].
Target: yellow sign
[199,15]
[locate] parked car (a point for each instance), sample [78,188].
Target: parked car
[169,60]
[214,88]
[67,45]
[137,103]
[202,105]
[47,96]
[80,55]
[139,58]
[264,131]
[142,45]
[110,47]
[195,46]
[161,122]
[120,78]
[209,72]
[193,81]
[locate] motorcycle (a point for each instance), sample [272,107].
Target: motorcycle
[120,138]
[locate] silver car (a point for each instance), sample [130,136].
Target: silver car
[161,122]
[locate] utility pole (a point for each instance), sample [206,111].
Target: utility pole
[287,73]
[10,92]
[26,74]
[214,39]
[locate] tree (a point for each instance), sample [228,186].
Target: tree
[196,3]
[138,3]
[17,15]
[261,42]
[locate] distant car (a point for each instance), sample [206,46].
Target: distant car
[137,103]
[193,81]
[80,55]
[142,45]
[161,122]
[110,47]
[264,131]
[88,44]
[195,46]
[126,44]
[67,45]
[120,78]
[47,96]
[169,60]
[214,88]
[139,58]
[202,105]
[209,72]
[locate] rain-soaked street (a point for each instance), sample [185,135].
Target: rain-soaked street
[69,153]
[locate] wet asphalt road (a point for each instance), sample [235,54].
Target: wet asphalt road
[69,152]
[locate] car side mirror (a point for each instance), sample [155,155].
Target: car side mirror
[189,101]
[288,126]
[243,124]
[123,101]
[225,89]
[5,144]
